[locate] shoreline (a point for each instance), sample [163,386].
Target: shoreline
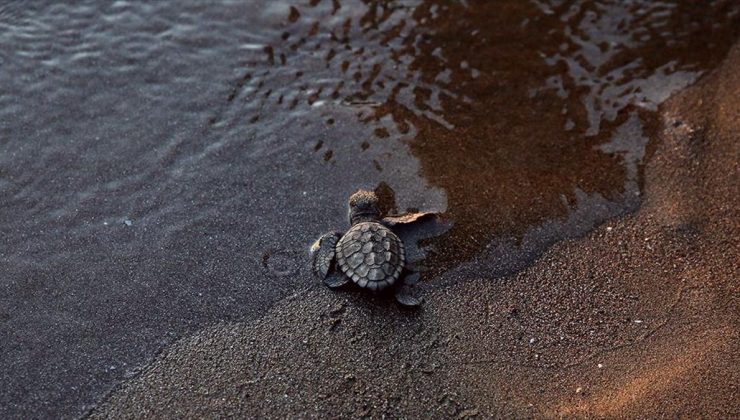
[637,318]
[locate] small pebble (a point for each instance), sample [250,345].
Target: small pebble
[127,222]
[579,390]
[532,340]
[600,365]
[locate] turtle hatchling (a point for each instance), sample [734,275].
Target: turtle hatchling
[369,254]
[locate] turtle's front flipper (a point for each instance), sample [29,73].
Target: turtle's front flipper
[322,254]
[414,227]
[406,294]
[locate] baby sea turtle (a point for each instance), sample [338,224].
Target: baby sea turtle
[370,254]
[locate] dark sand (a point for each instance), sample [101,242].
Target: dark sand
[638,318]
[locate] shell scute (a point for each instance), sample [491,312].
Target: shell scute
[356,259]
[371,259]
[353,247]
[376,274]
[362,270]
[388,268]
[367,247]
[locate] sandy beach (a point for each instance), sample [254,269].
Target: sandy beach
[639,318]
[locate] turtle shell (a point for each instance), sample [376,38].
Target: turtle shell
[371,255]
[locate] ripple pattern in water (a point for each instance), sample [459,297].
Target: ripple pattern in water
[510,107]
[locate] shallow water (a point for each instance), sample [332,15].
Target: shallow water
[163,167]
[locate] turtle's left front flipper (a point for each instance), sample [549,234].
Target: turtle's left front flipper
[322,254]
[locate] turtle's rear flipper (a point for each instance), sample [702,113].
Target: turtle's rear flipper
[334,279]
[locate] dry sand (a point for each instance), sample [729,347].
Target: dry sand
[638,318]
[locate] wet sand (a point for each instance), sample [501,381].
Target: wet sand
[637,318]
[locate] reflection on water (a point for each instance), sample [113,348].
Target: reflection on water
[515,109]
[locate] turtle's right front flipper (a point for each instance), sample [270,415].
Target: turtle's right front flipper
[322,254]
[406,293]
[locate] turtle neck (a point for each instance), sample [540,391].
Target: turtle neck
[365,218]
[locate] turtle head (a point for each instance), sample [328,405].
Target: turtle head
[363,207]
